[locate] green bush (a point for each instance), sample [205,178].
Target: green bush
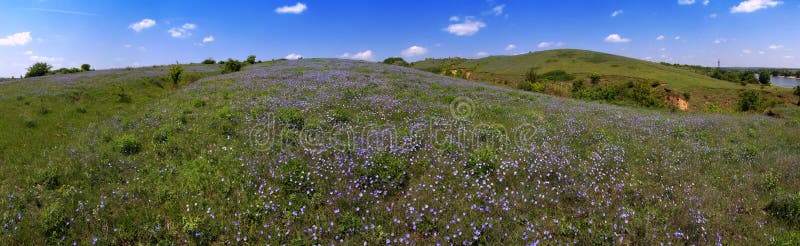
[251,59]
[483,161]
[291,117]
[128,145]
[396,61]
[528,86]
[86,67]
[387,173]
[231,66]
[175,73]
[558,75]
[209,61]
[38,69]
[785,207]
[295,177]
[595,77]
[226,120]
[797,93]
[750,101]
[531,76]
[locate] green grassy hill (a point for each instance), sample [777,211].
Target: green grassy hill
[616,69]
[328,151]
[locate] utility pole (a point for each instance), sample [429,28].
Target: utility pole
[718,64]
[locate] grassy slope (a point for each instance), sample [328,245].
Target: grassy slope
[582,62]
[221,160]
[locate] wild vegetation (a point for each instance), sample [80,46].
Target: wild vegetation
[330,151]
[690,88]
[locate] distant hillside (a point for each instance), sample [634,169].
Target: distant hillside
[510,70]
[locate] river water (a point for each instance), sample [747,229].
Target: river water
[784,82]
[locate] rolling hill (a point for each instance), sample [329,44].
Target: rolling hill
[329,151]
[509,70]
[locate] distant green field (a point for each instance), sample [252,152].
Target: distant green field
[511,69]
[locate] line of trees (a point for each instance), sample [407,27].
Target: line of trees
[743,76]
[42,69]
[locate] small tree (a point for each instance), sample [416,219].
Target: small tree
[38,69]
[251,59]
[750,101]
[797,93]
[175,73]
[209,61]
[86,67]
[595,77]
[531,75]
[764,78]
[231,66]
[395,61]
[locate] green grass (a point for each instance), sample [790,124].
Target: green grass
[510,70]
[334,151]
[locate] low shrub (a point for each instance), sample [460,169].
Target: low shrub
[231,66]
[483,161]
[785,207]
[386,172]
[209,61]
[128,145]
[295,177]
[291,118]
[558,75]
[175,74]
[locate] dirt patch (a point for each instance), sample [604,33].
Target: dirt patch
[678,102]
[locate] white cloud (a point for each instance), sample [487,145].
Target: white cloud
[15,39]
[775,47]
[677,37]
[663,49]
[498,10]
[29,52]
[544,45]
[746,51]
[685,2]
[364,55]
[208,39]
[511,46]
[127,46]
[616,38]
[467,28]
[454,18]
[761,52]
[750,6]
[660,37]
[141,25]
[720,40]
[706,2]
[414,51]
[616,12]
[481,54]
[788,57]
[45,59]
[712,16]
[183,31]
[293,56]
[296,9]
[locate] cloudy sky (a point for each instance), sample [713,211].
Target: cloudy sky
[107,34]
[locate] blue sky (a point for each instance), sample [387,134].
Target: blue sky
[109,34]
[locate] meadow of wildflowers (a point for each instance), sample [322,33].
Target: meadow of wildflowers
[328,151]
